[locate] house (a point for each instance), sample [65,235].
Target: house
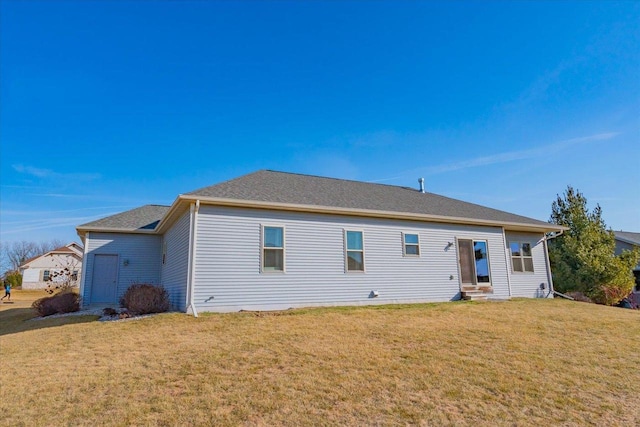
[272,240]
[627,241]
[40,271]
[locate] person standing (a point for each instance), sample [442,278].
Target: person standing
[7,290]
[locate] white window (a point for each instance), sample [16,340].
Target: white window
[411,244]
[521,257]
[354,254]
[272,248]
[46,275]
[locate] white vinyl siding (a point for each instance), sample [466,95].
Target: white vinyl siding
[228,274]
[33,272]
[175,257]
[143,253]
[527,284]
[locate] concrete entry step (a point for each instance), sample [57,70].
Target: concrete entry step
[474,295]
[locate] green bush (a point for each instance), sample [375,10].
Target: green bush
[15,278]
[143,298]
[63,302]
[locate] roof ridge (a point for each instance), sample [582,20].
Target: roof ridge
[340,179]
[428,193]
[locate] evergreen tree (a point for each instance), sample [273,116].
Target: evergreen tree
[583,259]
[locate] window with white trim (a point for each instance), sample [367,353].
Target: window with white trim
[411,244]
[272,248]
[46,275]
[354,250]
[521,257]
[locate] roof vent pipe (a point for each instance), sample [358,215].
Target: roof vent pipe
[421,181]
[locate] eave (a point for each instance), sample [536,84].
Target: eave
[629,241]
[82,231]
[181,203]
[251,204]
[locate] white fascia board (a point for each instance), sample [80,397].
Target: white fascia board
[512,226]
[83,230]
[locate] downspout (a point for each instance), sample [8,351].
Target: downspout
[546,255]
[192,257]
[85,260]
[506,260]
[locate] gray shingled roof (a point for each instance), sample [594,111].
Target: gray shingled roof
[143,218]
[305,190]
[629,237]
[295,189]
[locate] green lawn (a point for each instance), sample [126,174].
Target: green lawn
[521,362]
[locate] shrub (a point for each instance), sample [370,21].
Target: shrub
[579,296]
[63,302]
[143,298]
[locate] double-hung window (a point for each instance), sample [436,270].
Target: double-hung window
[46,275]
[354,244]
[411,244]
[521,257]
[272,248]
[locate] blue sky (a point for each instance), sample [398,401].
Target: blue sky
[109,105]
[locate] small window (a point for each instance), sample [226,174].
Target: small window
[411,244]
[521,257]
[272,248]
[46,275]
[74,275]
[355,250]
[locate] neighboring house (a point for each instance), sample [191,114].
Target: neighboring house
[272,240]
[39,272]
[626,240]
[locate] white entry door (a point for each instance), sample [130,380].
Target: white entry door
[105,276]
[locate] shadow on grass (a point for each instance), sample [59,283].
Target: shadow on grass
[17,320]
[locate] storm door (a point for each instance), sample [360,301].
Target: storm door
[473,257]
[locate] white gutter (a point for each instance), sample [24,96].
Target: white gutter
[193,228]
[512,226]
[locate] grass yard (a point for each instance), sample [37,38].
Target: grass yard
[521,362]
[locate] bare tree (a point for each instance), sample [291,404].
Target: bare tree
[64,277]
[14,254]
[44,247]
[19,252]
[4,260]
